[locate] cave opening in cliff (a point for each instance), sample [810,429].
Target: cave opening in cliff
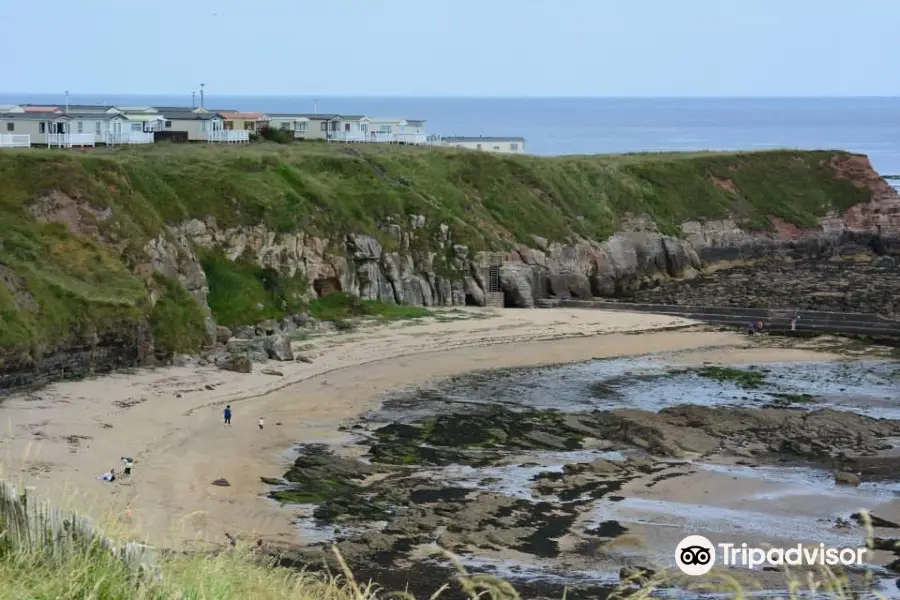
[509,300]
[326,286]
[471,301]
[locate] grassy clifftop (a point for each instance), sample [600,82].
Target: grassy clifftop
[75,276]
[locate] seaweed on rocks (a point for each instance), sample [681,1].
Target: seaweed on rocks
[473,438]
[318,475]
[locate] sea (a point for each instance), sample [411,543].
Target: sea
[557,126]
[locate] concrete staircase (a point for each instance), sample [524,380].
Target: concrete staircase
[494,299]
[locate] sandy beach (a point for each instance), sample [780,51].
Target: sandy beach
[60,438]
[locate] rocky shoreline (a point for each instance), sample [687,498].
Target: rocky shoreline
[863,283]
[532,485]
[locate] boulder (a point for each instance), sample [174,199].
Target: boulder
[255,348]
[183,360]
[239,363]
[845,478]
[267,327]
[569,283]
[301,319]
[278,347]
[474,293]
[245,332]
[287,325]
[223,334]
[515,281]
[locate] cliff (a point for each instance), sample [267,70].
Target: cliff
[111,258]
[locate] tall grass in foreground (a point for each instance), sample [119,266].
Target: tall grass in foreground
[47,555]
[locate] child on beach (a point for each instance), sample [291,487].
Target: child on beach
[228,415]
[128,462]
[260,423]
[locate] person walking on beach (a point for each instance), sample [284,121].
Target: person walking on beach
[228,415]
[260,423]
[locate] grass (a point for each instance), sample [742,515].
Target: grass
[74,561]
[339,307]
[176,321]
[67,282]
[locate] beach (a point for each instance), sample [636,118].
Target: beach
[60,438]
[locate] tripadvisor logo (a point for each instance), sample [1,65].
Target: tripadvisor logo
[695,555]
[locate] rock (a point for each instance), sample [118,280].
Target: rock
[570,284]
[221,482]
[267,327]
[516,280]
[300,319]
[845,478]
[245,332]
[363,247]
[305,359]
[287,326]
[254,348]
[238,363]
[209,386]
[474,293]
[183,360]
[278,347]
[273,372]
[223,334]
[875,521]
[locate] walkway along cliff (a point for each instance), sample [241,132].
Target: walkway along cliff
[120,258]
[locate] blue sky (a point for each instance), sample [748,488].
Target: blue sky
[455,47]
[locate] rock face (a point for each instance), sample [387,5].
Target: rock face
[419,263]
[872,226]
[125,346]
[635,258]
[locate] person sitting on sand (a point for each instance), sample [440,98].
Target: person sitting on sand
[232,541]
[128,462]
[751,328]
[108,476]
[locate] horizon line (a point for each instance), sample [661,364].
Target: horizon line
[329,97]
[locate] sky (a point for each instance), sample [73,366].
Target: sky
[578,48]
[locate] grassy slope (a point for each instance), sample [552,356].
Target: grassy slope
[326,189]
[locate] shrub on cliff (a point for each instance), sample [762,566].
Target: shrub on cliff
[242,293]
[177,321]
